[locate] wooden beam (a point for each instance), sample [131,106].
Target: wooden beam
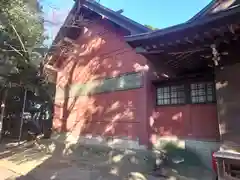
[185,43]
[159,62]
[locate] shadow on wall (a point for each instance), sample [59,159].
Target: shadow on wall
[185,121]
[228,98]
[169,121]
[221,88]
[100,114]
[228,106]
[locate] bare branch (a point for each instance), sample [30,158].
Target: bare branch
[19,38]
[14,49]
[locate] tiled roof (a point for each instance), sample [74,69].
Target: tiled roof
[116,17]
[216,6]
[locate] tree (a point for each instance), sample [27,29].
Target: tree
[151,27]
[21,38]
[22,34]
[25,16]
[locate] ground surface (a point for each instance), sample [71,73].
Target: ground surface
[55,161]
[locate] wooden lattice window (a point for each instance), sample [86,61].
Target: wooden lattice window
[202,92]
[174,94]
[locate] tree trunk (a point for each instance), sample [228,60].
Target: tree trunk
[23,109]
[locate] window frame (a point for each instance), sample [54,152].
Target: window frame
[206,94]
[115,88]
[170,85]
[187,90]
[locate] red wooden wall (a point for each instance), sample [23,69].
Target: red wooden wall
[101,53]
[186,121]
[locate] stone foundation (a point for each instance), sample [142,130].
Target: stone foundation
[116,143]
[194,151]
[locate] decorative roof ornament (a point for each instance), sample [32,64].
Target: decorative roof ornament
[216,56]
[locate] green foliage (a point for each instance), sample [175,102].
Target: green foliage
[189,157]
[151,27]
[25,16]
[21,40]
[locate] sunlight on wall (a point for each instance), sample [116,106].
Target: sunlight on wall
[220,85]
[177,116]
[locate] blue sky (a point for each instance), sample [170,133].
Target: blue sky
[157,13]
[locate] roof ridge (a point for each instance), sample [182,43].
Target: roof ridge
[203,11]
[94,5]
